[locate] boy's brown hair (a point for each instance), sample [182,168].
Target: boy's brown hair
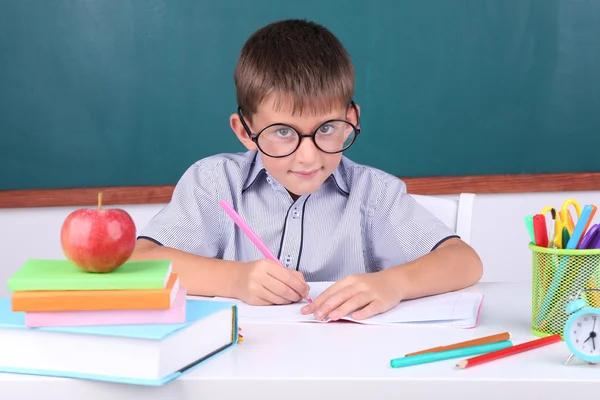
[297,61]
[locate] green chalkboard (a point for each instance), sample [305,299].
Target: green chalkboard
[131,92]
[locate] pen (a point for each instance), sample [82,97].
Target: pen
[237,219]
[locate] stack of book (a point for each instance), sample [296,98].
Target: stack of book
[57,293]
[132,325]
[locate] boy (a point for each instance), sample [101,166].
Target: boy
[325,217]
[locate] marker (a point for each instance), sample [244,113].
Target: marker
[582,224]
[565,237]
[529,225]
[540,230]
[596,244]
[552,230]
[590,237]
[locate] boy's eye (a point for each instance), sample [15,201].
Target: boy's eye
[284,132]
[327,129]
[279,132]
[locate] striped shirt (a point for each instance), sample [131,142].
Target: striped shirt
[360,220]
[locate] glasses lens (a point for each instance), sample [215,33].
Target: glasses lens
[335,136]
[278,140]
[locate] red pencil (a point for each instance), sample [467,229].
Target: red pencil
[509,351]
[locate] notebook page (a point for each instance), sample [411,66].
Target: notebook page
[279,313]
[459,309]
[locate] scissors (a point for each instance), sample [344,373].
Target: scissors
[562,219]
[565,215]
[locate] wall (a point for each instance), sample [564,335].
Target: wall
[498,234]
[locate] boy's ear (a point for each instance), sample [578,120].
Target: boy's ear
[240,132]
[353,117]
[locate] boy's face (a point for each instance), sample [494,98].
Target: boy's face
[305,170]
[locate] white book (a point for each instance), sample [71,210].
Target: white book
[458,309]
[150,354]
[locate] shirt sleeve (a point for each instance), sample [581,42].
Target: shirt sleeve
[402,229]
[191,220]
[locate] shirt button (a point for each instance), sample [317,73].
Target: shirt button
[295,214]
[269,179]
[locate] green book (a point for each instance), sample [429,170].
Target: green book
[41,274]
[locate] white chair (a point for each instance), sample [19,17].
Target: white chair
[456,213]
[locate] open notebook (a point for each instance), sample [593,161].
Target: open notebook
[455,309]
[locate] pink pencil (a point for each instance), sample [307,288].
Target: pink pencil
[251,234]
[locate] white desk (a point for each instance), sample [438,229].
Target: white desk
[349,361]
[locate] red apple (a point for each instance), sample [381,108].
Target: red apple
[98,240]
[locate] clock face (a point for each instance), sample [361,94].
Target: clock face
[584,335]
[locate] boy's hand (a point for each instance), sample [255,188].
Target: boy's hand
[363,295]
[264,282]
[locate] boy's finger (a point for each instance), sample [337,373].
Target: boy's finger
[308,309]
[281,289]
[272,297]
[299,275]
[368,311]
[334,301]
[330,291]
[352,304]
[286,276]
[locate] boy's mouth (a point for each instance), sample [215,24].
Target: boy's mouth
[306,174]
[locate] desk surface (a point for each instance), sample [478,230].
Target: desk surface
[347,360]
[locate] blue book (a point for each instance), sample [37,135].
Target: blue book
[131,354]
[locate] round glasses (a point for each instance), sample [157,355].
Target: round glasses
[281,140]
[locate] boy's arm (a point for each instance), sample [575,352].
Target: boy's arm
[188,231]
[202,275]
[260,282]
[454,265]
[189,225]
[417,254]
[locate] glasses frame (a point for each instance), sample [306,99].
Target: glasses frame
[254,137]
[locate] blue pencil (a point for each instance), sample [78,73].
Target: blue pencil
[446,355]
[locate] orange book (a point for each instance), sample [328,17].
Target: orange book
[86,300]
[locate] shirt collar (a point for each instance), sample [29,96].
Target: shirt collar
[257,169]
[340,178]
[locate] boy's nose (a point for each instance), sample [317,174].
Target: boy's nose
[307,153]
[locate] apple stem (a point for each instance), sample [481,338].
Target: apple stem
[99,200]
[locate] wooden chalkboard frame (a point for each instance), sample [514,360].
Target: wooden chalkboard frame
[479,184]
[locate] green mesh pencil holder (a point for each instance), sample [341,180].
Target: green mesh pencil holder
[557,275]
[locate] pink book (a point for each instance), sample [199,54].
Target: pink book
[174,315]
